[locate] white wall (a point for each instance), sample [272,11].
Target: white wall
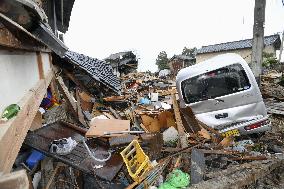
[245,53]
[18,74]
[45,61]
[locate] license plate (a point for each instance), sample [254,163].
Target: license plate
[234,132]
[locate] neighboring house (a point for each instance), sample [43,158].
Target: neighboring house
[122,62]
[242,47]
[177,62]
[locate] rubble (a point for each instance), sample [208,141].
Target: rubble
[105,125]
[170,139]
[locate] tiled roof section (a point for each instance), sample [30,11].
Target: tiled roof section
[242,44]
[98,69]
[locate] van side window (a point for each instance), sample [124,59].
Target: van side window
[220,82]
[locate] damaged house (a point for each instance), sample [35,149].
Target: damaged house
[69,120]
[123,62]
[177,62]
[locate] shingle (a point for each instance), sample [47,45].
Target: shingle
[242,44]
[98,69]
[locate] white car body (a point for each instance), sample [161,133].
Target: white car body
[240,107]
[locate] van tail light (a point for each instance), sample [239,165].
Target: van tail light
[256,125]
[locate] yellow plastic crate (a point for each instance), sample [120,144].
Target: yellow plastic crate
[137,162]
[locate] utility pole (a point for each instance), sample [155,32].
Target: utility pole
[258,43]
[281,48]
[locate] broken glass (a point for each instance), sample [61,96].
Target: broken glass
[216,83]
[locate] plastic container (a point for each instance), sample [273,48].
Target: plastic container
[10,112]
[34,157]
[137,162]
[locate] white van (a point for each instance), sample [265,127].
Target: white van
[223,94]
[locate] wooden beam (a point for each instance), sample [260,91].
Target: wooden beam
[79,109]
[54,172]
[37,122]
[13,132]
[180,128]
[40,66]
[68,97]
[15,180]
[70,100]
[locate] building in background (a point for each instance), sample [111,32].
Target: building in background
[242,47]
[123,62]
[177,62]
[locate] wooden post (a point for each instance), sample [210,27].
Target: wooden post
[180,128]
[13,132]
[281,48]
[257,44]
[68,97]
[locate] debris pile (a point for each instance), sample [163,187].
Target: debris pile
[138,137]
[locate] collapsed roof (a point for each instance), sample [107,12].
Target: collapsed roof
[98,69]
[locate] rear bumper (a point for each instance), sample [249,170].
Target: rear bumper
[243,131]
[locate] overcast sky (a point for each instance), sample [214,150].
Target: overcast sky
[99,28]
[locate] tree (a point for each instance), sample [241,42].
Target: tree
[269,60]
[162,61]
[189,52]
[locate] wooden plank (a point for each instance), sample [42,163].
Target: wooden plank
[99,126]
[13,132]
[54,172]
[68,97]
[37,122]
[180,127]
[40,66]
[79,109]
[190,119]
[240,176]
[15,180]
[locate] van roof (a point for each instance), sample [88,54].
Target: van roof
[209,65]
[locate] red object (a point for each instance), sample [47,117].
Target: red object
[255,125]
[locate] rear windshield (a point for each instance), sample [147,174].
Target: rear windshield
[220,82]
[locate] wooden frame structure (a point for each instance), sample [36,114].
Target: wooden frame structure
[25,75]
